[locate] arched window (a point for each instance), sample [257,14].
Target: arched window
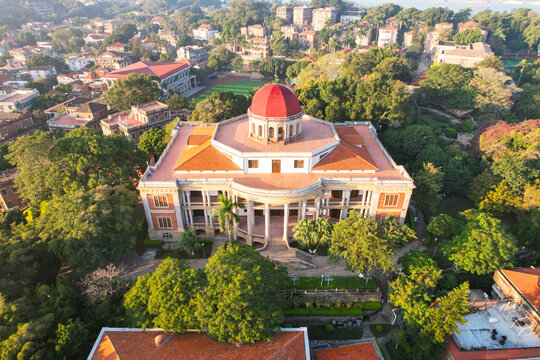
[260,130]
[280,133]
[271,132]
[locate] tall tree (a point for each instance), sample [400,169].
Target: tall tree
[135,89]
[312,233]
[152,142]
[242,303]
[219,106]
[495,90]
[484,245]
[165,298]
[429,182]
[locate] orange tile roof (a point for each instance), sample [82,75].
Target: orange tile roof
[136,344]
[348,155]
[162,70]
[194,140]
[353,352]
[526,280]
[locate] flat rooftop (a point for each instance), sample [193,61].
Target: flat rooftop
[16,96]
[476,332]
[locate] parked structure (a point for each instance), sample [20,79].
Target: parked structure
[282,164]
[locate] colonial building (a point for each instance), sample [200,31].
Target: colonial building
[282,164]
[387,35]
[18,100]
[113,60]
[9,198]
[285,12]
[174,76]
[75,113]
[447,52]
[205,32]
[193,52]
[348,17]
[14,124]
[256,30]
[322,16]
[302,15]
[308,38]
[134,122]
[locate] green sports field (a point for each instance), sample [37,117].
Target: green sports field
[237,87]
[511,63]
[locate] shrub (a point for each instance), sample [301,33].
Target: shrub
[371,305]
[451,133]
[153,243]
[329,328]
[379,328]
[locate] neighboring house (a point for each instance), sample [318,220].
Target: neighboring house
[107,26]
[118,47]
[136,121]
[168,36]
[471,25]
[444,26]
[387,35]
[320,17]
[193,52]
[97,88]
[284,165]
[364,33]
[156,344]
[285,12]
[302,15]
[408,38]
[75,113]
[348,17]
[506,327]
[9,198]
[13,125]
[76,63]
[173,76]
[256,30]
[308,38]
[256,49]
[464,55]
[205,32]
[18,100]
[113,60]
[24,53]
[95,40]
[40,72]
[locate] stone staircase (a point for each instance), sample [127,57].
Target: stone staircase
[278,250]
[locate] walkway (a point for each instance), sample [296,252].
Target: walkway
[435,111]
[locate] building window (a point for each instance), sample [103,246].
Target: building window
[165,222]
[253,164]
[260,130]
[161,201]
[156,117]
[391,200]
[271,132]
[298,164]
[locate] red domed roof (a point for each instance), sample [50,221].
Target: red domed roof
[275,100]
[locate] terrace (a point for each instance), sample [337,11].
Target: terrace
[503,325]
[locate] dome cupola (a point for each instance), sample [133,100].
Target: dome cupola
[275,114]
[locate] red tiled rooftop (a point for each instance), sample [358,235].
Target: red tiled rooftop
[140,345]
[160,69]
[353,352]
[526,280]
[275,100]
[69,120]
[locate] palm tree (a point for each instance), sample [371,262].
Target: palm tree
[189,242]
[226,214]
[312,233]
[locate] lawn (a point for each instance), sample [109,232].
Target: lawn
[343,282]
[237,87]
[319,333]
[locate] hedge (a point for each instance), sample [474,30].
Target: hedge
[371,305]
[342,311]
[153,243]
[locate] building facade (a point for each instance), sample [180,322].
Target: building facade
[13,125]
[9,198]
[285,12]
[113,60]
[302,15]
[348,17]
[18,100]
[205,32]
[387,35]
[283,165]
[447,52]
[193,52]
[322,16]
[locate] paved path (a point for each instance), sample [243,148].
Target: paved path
[450,117]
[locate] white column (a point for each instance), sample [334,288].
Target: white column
[374,204]
[404,208]
[209,202]
[300,207]
[178,210]
[304,204]
[250,217]
[267,221]
[204,208]
[190,212]
[347,197]
[286,222]
[147,212]
[317,207]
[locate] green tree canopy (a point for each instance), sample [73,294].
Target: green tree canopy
[484,245]
[135,89]
[219,106]
[312,233]
[242,303]
[428,182]
[67,40]
[495,91]
[166,297]
[468,36]
[153,142]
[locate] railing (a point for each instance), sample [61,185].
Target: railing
[375,292]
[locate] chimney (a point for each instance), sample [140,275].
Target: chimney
[161,339]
